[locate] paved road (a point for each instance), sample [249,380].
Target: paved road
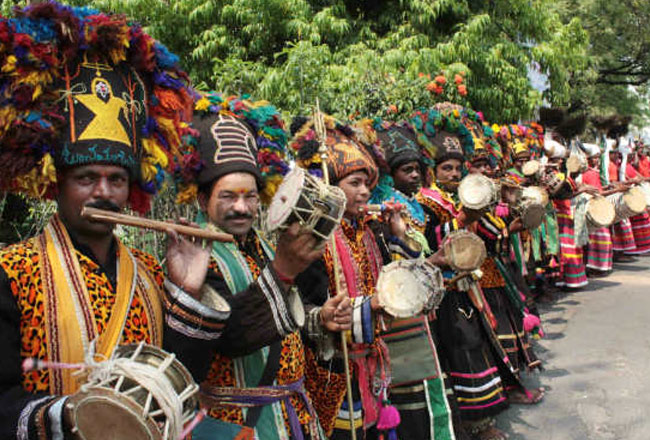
[597,364]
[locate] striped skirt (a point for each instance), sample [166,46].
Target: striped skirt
[573,268]
[622,236]
[641,232]
[466,348]
[599,250]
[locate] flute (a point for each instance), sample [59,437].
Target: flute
[101,215]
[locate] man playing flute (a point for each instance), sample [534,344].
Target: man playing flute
[91,113]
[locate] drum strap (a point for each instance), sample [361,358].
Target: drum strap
[268,376]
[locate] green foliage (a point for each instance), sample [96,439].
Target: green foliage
[360,58]
[618,73]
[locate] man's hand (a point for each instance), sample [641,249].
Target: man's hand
[297,249]
[517,225]
[187,260]
[439,258]
[469,216]
[336,313]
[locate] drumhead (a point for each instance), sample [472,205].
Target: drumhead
[532,215]
[635,200]
[465,251]
[477,191]
[407,287]
[101,414]
[285,199]
[600,212]
[645,187]
[530,168]
[536,194]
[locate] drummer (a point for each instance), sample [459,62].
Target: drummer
[505,289]
[425,411]
[640,222]
[358,257]
[76,287]
[600,252]
[562,188]
[467,340]
[622,234]
[261,345]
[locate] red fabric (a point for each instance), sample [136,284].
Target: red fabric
[613,172]
[644,166]
[630,172]
[592,177]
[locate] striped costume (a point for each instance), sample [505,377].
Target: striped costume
[573,268]
[600,250]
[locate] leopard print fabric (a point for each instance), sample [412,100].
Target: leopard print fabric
[21,263]
[292,361]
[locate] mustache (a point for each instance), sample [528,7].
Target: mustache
[238,216]
[106,205]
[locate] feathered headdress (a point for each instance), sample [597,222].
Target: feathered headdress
[79,86]
[233,134]
[349,148]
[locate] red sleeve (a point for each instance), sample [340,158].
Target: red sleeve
[592,177]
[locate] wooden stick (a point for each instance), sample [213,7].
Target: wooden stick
[101,215]
[321,134]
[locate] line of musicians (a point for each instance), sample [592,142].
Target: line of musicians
[95,113]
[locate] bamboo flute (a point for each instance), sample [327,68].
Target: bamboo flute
[101,215]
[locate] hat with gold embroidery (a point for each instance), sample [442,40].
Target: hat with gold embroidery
[348,150]
[237,134]
[82,87]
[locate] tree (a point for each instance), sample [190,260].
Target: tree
[365,58]
[618,73]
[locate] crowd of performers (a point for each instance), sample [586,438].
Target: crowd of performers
[95,113]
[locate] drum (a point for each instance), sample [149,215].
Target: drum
[465,251]
[553,182]
[141,393]
[478,192]
[600,213]
[643,186]
[406,288]
[628,204]
[532,169]
[304,198]
[576,163]
[532,213]
[535,193]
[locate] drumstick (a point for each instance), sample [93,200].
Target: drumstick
[101,215]
[321,133]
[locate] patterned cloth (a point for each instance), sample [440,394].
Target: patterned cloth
[623,236]
[641,232]
[600,251]
[573,268]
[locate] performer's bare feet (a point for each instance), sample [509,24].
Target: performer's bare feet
[526,397]
[491,433]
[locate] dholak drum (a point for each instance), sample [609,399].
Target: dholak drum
[532,213]
[628,204]
[477,192]
[553,181]
[600,213]
[405,288]
[303,198]
[532,169]
[535,193]
[576,163]
[645,188]
[465,251]
[142,393]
